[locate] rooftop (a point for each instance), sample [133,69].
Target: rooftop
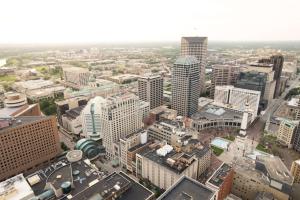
[194,39]
[186,60]
[15,188]
[20,121]
[218,177]
[276,169]
[75,112]
[75,69]
[187,189]
[116,184]
[212,112]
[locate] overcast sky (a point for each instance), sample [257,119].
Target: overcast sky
[67,21]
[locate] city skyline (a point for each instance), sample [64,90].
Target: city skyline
[135,21]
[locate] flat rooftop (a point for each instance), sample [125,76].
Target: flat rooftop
[19,121]
[212,112]
[276,169]
[187,189]
[60,171]
[218,177]
[115,184]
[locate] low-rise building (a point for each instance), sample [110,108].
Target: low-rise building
[72,121]
[214,116]
[221,181]
[188,188]
[76,77]
[73,177]
[265,174]
[163,166]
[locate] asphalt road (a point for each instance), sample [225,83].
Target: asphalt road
[256,129]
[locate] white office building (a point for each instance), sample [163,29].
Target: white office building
[236,98]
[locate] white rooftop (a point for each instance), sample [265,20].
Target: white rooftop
[293,102]
[15,188]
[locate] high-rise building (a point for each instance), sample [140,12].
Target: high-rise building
[259,79]
[150,89]
[196,46]
[26,142]
[237,98]
[113,118]
[91,115]
[295,171]
[76,77]
[277,65]
[185,85]
[223,75]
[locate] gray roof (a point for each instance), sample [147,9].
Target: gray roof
[194,39]
[186,60]
[185,189]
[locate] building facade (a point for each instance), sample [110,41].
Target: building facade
[76,77]
[196,46]
[295,171]
[26,143]
[286,132]
[150,89]
[185,85]
[223,75]
[236,98]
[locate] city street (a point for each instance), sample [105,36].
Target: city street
[256,129]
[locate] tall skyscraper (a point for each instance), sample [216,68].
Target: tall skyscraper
[150,89]
[196,46]
[26,142]
[185,85]
[223,75]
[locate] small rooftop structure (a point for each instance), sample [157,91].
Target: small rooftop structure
[188,189]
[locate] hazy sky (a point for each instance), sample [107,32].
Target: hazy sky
[51,21]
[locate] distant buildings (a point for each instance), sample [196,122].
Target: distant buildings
[185,85]
[76,77]
[188,188]
[267,174]
[36,90]
[295,171]
[236,98]
[124,78]
[223,75]
[150,89]
[26,143]
[196,46]
[277,62]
